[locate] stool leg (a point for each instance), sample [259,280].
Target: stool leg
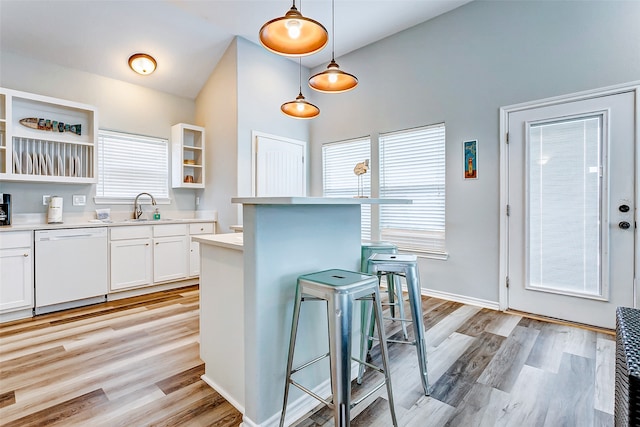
[292,344]
[392,294]
[413,286]
[340,314]
[384,353]
[398,288]
[366,332]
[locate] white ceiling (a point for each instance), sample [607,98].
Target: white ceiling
[187,37]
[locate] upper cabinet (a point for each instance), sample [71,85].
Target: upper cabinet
[187,142]
[46,139]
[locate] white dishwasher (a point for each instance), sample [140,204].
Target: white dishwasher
[71,268]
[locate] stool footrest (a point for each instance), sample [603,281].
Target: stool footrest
[394,341]
[312,394]
[377,368]
[361,399]
[311,362]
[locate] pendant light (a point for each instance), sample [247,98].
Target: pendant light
[300,108]
[293,34]
[333,79]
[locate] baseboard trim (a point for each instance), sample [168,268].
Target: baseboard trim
[223,393]
[493,305]
[301,407]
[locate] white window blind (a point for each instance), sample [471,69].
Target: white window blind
[412,166]
[131,164]
[339,180]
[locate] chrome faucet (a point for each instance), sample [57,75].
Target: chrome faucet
[137,209]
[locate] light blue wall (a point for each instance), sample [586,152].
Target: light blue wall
[460,68]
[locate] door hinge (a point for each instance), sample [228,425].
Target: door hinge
[507,281]
[508,210]
[507,137]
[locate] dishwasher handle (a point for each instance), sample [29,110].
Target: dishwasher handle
[70,236]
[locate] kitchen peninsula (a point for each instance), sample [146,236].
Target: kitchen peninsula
[247,287]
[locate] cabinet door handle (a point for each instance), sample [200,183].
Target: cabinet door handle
[26,255]
[146,244]
[157,243]
[202,229]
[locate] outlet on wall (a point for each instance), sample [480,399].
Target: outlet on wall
[79,200]
[45,200]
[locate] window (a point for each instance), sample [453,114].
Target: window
[412,165]
[129,165]
[338,178]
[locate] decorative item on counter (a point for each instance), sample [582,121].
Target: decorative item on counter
[360,169]
[54,215]
[188,178]
[50,125]
[156,214]
[103,214]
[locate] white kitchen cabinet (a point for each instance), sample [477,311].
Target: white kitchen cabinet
[170,252]
[194,250]
[131,263]
[131,257]
[16,273]
[52,152]
[169,258]
[187,155]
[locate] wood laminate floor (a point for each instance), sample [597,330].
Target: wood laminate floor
[135,362]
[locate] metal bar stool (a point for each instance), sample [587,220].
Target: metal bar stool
[339,289]
[407,266]
[394,287]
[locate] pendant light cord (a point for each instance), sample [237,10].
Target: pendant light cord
[333,30]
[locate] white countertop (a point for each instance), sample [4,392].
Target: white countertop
[227,240]
[316,201]
[97,223]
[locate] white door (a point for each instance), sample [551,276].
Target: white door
[571,204]
[279,166]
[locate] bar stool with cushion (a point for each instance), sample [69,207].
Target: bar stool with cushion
[394,287]
[402,265]
[339,289]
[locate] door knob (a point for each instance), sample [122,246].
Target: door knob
[624,225]
[623,208]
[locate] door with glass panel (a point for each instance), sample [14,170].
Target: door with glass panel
[571,204]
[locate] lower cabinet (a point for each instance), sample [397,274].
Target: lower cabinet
[145,255]
[194,249]
[131,257]
[16,271]
[170,252]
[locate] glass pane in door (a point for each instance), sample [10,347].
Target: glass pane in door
[564,206]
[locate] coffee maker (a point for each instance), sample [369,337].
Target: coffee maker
[5,209]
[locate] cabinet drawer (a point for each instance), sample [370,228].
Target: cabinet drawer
[15,239]
[201,228]
[130,232]
[169,230]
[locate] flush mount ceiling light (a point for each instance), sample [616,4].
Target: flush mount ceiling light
[333,79]
[300,108]
[293,34]
[142,63]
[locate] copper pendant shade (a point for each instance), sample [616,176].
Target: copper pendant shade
[300,108]
[333,79]
[293,34]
